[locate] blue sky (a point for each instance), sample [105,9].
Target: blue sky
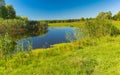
[63,9]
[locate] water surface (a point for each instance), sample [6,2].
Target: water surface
[53,36]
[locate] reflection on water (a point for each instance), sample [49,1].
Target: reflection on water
[53,36]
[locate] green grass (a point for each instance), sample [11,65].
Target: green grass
[98,57]
[71,24]
[77,24]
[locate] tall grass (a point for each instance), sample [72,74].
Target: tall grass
[7,45]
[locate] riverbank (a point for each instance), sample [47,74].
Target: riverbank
[77,24]
[98,56]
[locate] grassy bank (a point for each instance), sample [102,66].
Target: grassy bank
[77,24]
[91,57]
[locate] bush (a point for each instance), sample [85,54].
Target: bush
[12,26]
[17,27]
[36,27]
[98,28]
[7,45]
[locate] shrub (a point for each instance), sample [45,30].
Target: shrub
[36,27]
[98,28]
[17,27]
[7,45]
[12,26]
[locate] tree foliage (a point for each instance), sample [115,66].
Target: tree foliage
[105,15]
[11,12]
[7,12]
[98,28]
[117,16]
[3,12]
[7,45]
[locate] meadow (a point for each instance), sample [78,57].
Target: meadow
[77,24]
[71,24]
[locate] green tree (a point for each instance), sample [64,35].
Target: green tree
[104,15]
[108,15]
[11,12]
[3,12]
[7,12]
[100,15]
[117,16]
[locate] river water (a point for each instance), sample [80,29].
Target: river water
[54,35]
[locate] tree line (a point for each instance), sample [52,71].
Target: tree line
[101,15]
[108,15]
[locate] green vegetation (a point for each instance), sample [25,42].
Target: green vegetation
[105,15]
[117,16]
[87,56]
[116,23]
[92,57]
[98,28]
[17,27]
[71,24]
[7,45]
[7,12]
[12,26]
[97,53]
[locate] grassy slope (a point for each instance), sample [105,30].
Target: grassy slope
[98,57]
